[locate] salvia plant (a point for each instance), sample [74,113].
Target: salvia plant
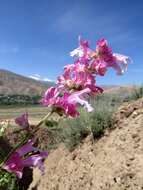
[73,89]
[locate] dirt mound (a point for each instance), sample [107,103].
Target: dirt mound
[115,162]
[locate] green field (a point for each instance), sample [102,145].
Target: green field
[11,112]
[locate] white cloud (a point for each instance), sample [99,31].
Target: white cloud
[47,79]
[40,78]
[34,77]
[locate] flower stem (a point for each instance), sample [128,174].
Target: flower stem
[24,140]
[44,118]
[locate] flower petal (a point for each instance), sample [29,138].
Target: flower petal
[77,97]
[22,120]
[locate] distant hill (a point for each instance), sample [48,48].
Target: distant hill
[120,89]
[12,83]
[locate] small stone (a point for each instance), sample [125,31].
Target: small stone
[132,158]
[128,164]
[135,114]
[74,155]
[136,146]
[137,140]
[122,138]
[135,135]
[118,179]
[91,149]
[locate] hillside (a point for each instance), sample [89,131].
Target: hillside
[120,89]
[12,83]
[114,162]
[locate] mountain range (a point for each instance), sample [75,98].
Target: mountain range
[12,83]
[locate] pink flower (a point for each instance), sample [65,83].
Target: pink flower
[20,159]
[98,67]
[78,52]
[95,89]
[57,100]
[82,52]
[67,107]
[22,120]
[78,77]
[50,96]
[67,103]
[78,98]
[104,52]
[121,63]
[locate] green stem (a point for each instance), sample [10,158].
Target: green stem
[44,118]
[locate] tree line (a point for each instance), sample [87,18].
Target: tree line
[17,99]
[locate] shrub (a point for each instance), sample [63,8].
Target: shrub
[138,93]
[102,118]
[8,181]
[19,99]
[75,130]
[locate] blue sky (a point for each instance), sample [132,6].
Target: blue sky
[36,36]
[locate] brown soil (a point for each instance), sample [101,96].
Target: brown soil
[114,162]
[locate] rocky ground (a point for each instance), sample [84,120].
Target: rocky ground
[114,162]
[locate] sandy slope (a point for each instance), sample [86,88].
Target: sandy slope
[115,162]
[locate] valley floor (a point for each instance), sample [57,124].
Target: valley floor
[11,112]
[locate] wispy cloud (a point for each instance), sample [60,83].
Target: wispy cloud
[40,78]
